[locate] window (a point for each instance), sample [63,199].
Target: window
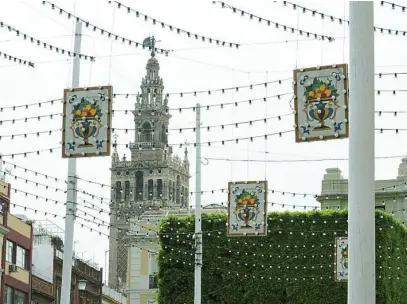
[146,132]
[8,295]
[152,283]
[178,189]
[22,257]
[126,190]
[152,271]
[380,207]
[118,191]
[58,295]
[17,255]
[159,188]
[163,134]
[139,185]
[150,188]
[20,297]
[9,251]
[14,296]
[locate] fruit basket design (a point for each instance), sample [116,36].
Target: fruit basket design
[320,102]
[86,121]
[247,208]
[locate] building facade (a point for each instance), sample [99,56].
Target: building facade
[142,264]
[391,194]
[152,178]
[16,257]
[47,272]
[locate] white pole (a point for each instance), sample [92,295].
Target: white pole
[71,191]
[198,232]
[361,279]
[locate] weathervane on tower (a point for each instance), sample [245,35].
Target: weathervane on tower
[150,43]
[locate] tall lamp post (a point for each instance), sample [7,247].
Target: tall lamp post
[361,279]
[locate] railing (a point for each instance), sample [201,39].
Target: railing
[148,145]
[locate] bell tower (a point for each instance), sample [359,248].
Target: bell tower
[153,177]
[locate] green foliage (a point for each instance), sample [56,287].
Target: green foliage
[297,252]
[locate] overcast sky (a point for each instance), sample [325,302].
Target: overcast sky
[266,54]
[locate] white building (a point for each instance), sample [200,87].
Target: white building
[391,194]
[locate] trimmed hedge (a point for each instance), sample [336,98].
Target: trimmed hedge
[297,254]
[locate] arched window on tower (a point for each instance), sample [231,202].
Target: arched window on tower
[146,132]
[159,188]
[150,189]
[173,192]
[163,134]
[118,191]
[126,190]
[139,185]
[178,189]
[183,197]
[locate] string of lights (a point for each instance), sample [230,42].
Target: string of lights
[25,135]
[26,119]
[220,90]
[163,24]
[81,191]
[16,59]
[292,160]
[314,13]
[394,5]
[46,46]
[25,154]
[47,199]
[179,129]
[187,144]
[212,106]
[102,31]
[277,25]
[149,231]
[36,173]
[208,233]
[109,201]
[28,105]
[209,92]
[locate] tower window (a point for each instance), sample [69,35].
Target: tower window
[150,188]
[139,185]
[146,132]
[118,191]
[159,188]
[178,189]
[173,192]
[163,134]
[126,190]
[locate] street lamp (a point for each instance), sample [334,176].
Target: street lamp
[82,288]
[82,292]
[82,285]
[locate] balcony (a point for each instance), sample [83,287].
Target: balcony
[148,145]
[42,287]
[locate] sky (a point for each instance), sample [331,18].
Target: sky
[265,54]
